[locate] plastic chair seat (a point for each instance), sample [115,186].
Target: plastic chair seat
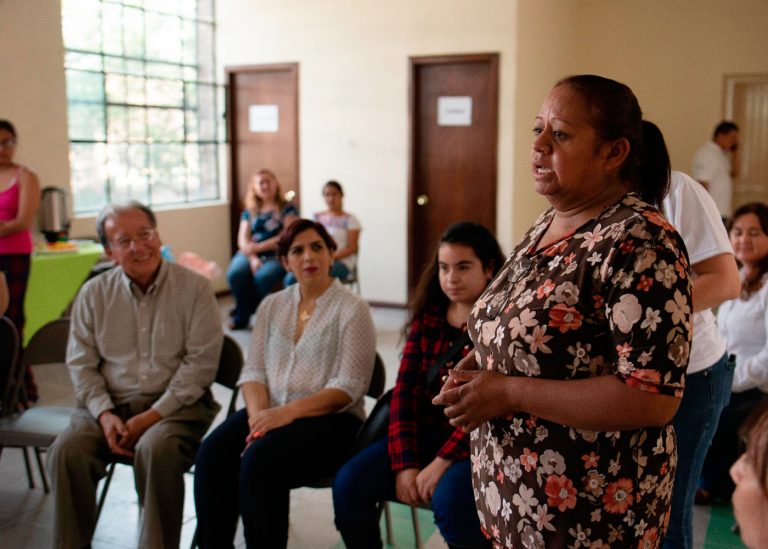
[35,427]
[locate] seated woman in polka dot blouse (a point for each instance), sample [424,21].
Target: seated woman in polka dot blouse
[309,366]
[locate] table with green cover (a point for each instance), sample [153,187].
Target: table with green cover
[54,279]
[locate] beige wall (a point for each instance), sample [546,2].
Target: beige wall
[32,88]
[673,55]
[353,86]
[681,52]
[353,59]
[545,52]
[33,97]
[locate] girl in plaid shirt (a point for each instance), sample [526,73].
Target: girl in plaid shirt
[423,461]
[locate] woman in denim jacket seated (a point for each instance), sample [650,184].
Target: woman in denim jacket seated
[256,269]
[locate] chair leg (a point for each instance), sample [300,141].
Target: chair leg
[103,495]
[388,523]
[43,476]
[193,545]
[28,467]
[416,531]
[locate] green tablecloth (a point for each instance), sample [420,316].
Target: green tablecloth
[54,279]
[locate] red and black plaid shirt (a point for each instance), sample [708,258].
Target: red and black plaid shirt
[412,411]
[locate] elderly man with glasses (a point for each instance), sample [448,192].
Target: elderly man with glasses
[143,351]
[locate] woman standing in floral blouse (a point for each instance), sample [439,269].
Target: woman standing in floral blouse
[581,341]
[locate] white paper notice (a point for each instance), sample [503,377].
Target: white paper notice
[263,118]
[454,111]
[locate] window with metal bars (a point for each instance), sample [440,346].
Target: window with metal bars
[144,110]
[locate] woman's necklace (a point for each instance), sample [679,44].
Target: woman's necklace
[306,310]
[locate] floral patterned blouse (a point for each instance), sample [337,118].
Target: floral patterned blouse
[612,298]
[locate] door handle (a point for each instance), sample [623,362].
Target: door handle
[422,200]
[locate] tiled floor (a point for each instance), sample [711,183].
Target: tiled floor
[26,516]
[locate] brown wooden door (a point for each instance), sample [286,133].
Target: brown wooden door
[263,128]
[453,149]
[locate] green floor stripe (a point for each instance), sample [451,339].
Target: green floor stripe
[719,535]
[402,526]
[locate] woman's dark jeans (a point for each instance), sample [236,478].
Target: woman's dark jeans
[366,479]
[706,394]
[257,485]
[250,288]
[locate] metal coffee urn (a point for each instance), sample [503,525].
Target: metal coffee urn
[54,214]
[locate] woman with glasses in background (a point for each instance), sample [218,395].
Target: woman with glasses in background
[19,200]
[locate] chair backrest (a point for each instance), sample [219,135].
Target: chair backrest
[378,379]
[230,364]
[375,389]
[9,352]
[48,345]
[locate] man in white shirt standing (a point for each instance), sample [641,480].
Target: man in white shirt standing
[716,163]
[143,350]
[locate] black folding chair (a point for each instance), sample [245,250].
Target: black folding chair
[35,427]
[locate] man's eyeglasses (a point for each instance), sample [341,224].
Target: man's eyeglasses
[144,235]
[519,270]
[7,143]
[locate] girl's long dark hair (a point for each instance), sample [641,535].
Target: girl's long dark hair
[428,292]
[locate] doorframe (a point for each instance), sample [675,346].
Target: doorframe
[415,62]
[235,207]
[729,83]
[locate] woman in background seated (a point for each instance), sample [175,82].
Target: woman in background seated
[750,474]
[19,200]
[744,325]
[345,229]
[424,460]
[256,269]
[309,365]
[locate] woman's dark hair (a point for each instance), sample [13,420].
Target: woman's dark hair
[616,114]
[473,235]
[336,185]
[656,158]
[290,233]
[7,126]
[753,283]
[755,430]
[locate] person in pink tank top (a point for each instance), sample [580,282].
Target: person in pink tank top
[19,200]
